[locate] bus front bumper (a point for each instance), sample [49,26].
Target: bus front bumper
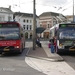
[9,50]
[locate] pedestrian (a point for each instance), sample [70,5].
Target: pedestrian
[38,42]
[52,46]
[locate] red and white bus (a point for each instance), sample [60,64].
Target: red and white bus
[12,38]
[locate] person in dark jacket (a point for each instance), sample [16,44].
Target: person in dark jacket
[38,42]
[52,45]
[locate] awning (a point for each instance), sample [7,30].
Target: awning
[40,29]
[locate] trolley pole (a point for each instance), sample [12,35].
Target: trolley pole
[34,26]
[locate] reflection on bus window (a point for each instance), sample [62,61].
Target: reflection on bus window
[9,33]
[67,33]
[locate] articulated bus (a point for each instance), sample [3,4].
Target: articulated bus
[65,37]
[11,37]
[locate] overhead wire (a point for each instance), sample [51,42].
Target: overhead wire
[43,4]
[68,7]
[65,5]
[47,5]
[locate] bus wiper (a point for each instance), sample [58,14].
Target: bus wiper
[2,37]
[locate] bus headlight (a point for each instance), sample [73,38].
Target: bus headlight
[61,46]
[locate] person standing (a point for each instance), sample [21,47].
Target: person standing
[38,42]
[52,46]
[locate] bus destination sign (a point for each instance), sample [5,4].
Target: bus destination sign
[67,25]
[8,25]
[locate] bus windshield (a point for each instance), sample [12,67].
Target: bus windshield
[9,33]
[67,33]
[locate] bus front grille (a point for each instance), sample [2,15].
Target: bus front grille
[68,47]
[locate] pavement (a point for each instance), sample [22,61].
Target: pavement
[46,62]
[43,53]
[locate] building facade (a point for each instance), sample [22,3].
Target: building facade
[70,18]
[26,21]
[49,19]
[6,14]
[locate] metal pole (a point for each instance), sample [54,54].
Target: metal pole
[73,10]
[34,26]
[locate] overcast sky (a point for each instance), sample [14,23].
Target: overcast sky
[54,2]
[41,6]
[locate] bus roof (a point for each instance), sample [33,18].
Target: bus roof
[57,25]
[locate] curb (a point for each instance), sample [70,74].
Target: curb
[48,59]
[43,58]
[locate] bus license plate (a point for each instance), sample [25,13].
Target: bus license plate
[6,49]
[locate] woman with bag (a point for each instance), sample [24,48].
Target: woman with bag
[52,47]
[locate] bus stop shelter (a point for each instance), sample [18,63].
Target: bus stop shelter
[40,30]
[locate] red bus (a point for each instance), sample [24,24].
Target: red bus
[11,37]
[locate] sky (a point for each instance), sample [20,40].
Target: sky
[64,7]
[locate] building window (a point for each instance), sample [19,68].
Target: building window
[27,21]
[24,20]
[30,27]
[23,26]
[27,27]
